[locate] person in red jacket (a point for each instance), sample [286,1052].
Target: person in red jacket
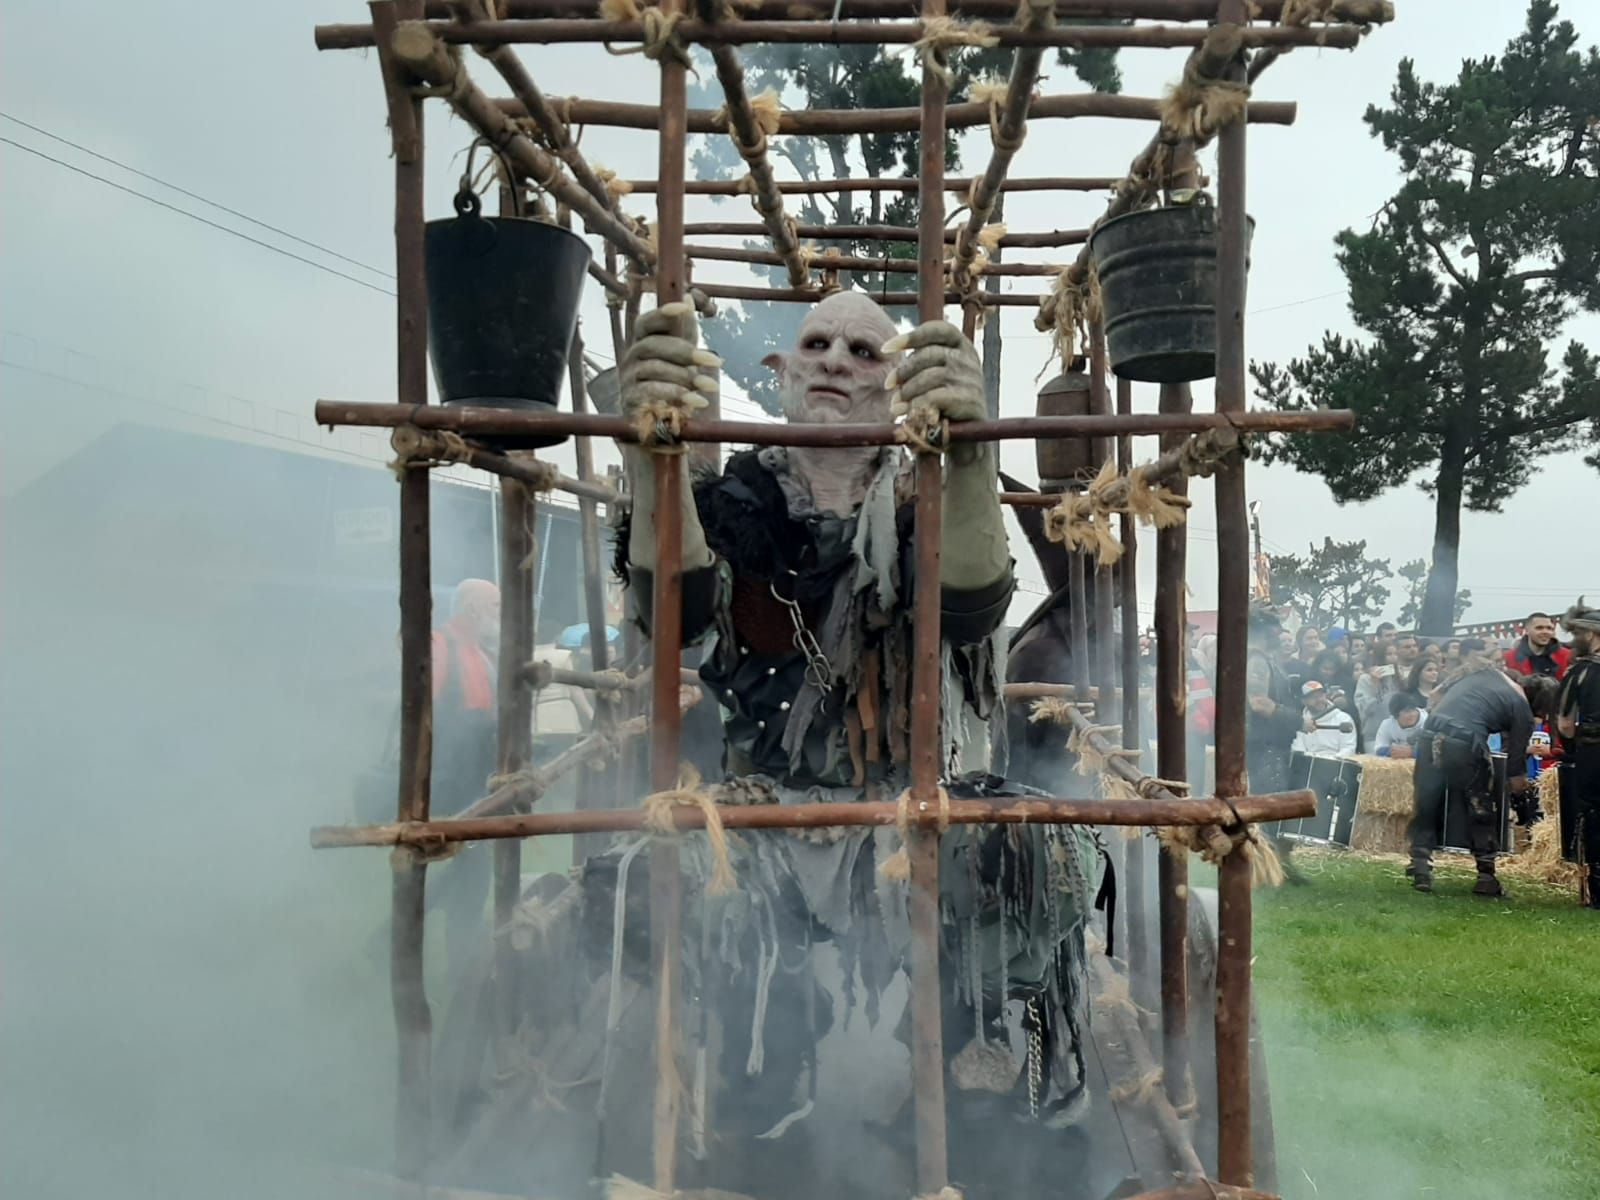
[1537,652]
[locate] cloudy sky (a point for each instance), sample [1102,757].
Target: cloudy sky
[114,308]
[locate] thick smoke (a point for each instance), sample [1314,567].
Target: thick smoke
[199,659]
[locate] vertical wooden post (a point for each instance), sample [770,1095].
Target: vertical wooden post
[408,899]
[514,700]
[666,625]
[927,1034]
[1172,718]
[518,512]
[1134,860]
[591,777]
[1233,599]
[1105,646]
[1078,600]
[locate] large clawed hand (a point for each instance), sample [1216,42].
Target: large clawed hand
[942,377]
[661,371]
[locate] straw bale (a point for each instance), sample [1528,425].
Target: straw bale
[1386,785]
[1542,859]
[1381,833]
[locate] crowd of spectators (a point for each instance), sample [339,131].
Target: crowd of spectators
[1368,693]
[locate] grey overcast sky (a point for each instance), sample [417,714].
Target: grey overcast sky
[113,308]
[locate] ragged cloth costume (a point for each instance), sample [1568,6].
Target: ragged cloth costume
[791,1066]
[806,617]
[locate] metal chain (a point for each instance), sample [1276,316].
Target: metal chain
[819,672]
[1035,1053]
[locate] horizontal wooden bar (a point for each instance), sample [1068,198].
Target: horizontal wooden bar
[505,422]
[731,291]
[882,233]
[616,114]
[1275,806]
[816,187]
[826,260]
[1364,12]
[561,30]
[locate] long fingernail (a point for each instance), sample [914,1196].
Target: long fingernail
[891,380]
[676,309]
[705,358]
[896,344]
[704,383]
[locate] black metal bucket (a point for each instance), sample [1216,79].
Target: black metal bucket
[1158,291]
[503,298]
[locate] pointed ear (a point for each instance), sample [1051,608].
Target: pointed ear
[777,360]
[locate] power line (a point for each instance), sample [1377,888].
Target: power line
[183,212]
[106,158]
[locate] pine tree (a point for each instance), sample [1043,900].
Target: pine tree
[1466,277]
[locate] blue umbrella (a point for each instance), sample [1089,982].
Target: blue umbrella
[571,638]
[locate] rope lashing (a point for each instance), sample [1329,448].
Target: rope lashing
[1071,307]
[1213,844]
[924,430]
[1195,108]
[616,187]
[967,261]
[940,34]
[658,820]
[898,865]
[660,39]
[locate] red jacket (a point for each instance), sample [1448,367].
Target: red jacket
[1520,660]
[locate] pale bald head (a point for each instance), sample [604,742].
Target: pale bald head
[477,608]
[836,371]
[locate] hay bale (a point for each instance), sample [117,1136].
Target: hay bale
[1542,859]
[1386,785]
[1381,833]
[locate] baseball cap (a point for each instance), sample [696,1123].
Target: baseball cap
[1311,687]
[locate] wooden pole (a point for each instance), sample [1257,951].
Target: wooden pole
[826,259]
[927,1033]
[1006,136]
[814,187]
[501,422]
[881,233]
[1136,850]
[1363,12]
[518,513]
[616,114]
[666,884]
[408,898]
[1233,600]
[751,143]
[1162,809]
[563,30]
[721,291]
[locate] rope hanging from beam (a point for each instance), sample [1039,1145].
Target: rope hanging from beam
[1082,521]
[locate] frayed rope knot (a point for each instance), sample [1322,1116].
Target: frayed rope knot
[1213,844]
[924,430]
[659,426]
[660,39]
[939,34]
[898,865]
[658,819]
[1196,108]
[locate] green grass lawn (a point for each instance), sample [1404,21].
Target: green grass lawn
[1438,1046]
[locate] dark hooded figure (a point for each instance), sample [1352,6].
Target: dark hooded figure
[1578,722]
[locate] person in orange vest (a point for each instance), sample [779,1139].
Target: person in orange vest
[465,649]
